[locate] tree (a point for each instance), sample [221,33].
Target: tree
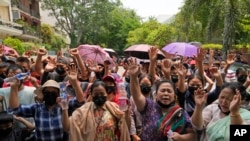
[75,17]
[151,32]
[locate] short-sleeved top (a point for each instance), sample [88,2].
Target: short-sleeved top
[186,101]
[150,116]
[25,96]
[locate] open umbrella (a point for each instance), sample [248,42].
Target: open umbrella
[141,51]
[110,51]
[181,48]
[95,53]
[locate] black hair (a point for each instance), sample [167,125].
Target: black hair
[195,76]
[15,67]
[23,60]
[6,117]
[159,83]
[3,65]
[239,70]
[147,76]
[96,84]
[236,85]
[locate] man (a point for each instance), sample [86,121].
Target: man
[47,115]
[25,93]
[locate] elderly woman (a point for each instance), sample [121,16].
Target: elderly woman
[214,120]
[163,116]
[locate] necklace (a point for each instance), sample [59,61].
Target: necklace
[98,120]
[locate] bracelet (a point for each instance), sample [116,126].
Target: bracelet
[234,115]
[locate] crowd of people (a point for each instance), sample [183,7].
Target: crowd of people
[177,98]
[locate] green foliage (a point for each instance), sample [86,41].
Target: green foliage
[15,44]
[57,43]
[47,33]
[151,32]
[212,46]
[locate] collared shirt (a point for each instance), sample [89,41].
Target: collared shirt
[48,122]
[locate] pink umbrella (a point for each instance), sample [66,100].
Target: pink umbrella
[181,48]
[141,51]
[95,53]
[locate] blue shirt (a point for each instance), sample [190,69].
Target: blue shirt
[48,123]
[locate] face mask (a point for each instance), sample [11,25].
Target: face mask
[191,89]
[60,70]
[3,76]
[145,89]
[99,100]
[174,78]
[50,99]
[110,89]
[226,113]
[242,79]
[165,105]
[5,132]
[192,67]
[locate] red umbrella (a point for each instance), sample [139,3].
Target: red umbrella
[141,51]
[95,53]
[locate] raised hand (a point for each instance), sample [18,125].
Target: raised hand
[133,68]
[214,71]
[72,73]
[12,52]
[63,103]
[41,52]
[27,54]
[231,59]
[73,51]
[200,97]
[59,53]
[181,70]
[200,55]
[235,103]
[51,65]
[152,53]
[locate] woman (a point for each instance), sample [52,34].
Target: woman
[186,93]
[214,120]
[145,82]
[97,120]
[163,116]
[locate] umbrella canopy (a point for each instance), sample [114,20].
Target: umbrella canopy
[110,51]
[181,48]
[95,53]
[141,51]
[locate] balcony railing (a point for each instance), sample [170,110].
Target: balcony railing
[11,24]
[26,9]
[30,31]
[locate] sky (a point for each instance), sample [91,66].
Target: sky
[147,8]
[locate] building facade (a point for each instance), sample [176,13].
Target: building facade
[21,19]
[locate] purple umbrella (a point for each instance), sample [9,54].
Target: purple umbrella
[181,48]
[95,53]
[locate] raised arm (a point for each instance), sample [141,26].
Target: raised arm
[182,76]
[74,52]
[13,99]
[199,59]
[234,108]
[230,61]
[152,53]
[200,98]
[166,66]
[38,63]
[134,71]
[72,75]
